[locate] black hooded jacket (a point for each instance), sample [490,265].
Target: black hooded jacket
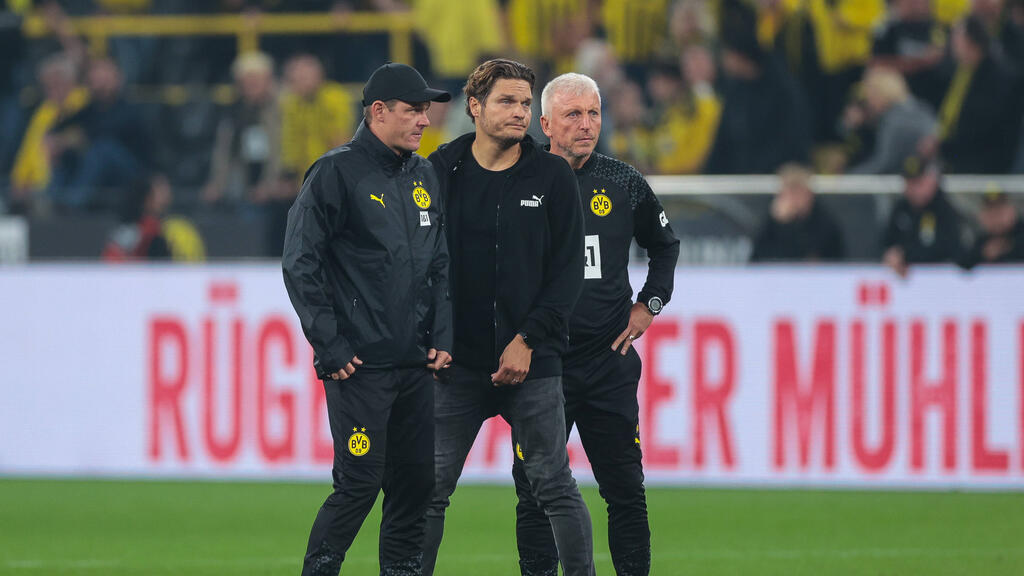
[365,260]
[539,252]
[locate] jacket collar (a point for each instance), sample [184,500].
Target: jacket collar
[452,152]
[384,156]
[587,167]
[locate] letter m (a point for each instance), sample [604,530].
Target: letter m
[802,402]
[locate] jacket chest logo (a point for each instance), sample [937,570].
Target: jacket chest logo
[376,198]
[600,203]
[536,202]
[420,195]
[927,229]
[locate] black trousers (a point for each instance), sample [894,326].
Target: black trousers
[600,398]
[382,423]
[464,399]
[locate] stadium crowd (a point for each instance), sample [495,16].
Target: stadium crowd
[688,86]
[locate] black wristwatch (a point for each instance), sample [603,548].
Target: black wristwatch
[654,305]
[526,340]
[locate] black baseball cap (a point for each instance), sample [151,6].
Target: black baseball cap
[398,81]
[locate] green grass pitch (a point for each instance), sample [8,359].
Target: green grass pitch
[199,528]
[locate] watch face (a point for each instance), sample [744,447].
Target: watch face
[654,305]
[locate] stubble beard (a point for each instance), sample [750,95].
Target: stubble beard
[504,142]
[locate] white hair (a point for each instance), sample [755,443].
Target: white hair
[570,83]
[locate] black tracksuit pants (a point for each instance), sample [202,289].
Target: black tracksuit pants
[382,423]
[601,399]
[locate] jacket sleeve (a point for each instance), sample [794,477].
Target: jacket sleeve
[563,276]
[654,233]
[438,275]
[891,235]
[316,214]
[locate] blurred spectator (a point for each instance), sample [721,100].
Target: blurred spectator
[636,30]
[978,119]
[140,235]
[1005,31]
[630,138]
[763,124]
[135,55]
[900,121]
[798,228]
[99,149]
[316,115]
[843,33]
[689,22]
[12,48]
[62,97]
[685,129]
[858,136]
[923,227]
[458,39]
[247,152]
[949,11]
[1002,231]
[914,43]
[597,59]
[534,27]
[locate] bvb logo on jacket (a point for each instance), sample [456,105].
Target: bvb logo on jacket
[420,195]
[601,204]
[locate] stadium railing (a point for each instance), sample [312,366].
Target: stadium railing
[839,184]
[246,28]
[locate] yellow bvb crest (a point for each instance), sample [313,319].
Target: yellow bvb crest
[358,442]
[600,204]
[420,195]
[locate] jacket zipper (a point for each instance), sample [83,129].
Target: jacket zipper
[408,246]
[498,349]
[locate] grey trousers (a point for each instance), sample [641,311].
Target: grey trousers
[463,399]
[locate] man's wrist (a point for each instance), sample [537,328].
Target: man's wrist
[654,304]
[526,339]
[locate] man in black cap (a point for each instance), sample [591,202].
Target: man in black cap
[366,267]
[1001,240]
[924,226]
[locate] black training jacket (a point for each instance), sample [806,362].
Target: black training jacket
[365,260]
[618,206]
[539,257]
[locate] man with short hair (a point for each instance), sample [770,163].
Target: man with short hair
[924,227]
[601,371]
[515,228]
[366,267]
[798,227]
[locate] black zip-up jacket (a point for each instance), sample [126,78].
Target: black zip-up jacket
[618,206]
[365,259]
[928,235]
[539,252]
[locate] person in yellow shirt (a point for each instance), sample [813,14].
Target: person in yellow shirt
[316,114]
[62,98]
[948,12]
[458,38]
[534,27]
[635,29]
[630,137]
[843,32]
[685,131]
